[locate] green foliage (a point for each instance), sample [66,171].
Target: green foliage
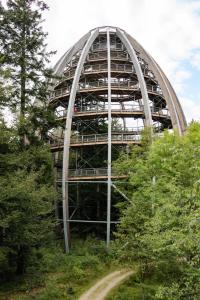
[26,203]
[160,228]
[133,289]
[23,46]
[62,276]
[24,76]
[26,175]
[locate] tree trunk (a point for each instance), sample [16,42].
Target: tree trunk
[20,261]
[23,137]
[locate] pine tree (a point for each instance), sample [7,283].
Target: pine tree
[26,202]
[26,176]
[24,57]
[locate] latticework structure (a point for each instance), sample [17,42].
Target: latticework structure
[109,89]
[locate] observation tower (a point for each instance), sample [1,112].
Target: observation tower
[109,89]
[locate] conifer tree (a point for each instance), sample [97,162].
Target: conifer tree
[26,177]
[24,56]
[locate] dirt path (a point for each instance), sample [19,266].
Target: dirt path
[101,289]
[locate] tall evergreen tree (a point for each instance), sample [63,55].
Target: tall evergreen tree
[26,174]
[26,202]
[24,56]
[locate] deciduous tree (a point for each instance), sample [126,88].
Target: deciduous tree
[160,227]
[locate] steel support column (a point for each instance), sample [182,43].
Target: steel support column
[109,142]
[140,76]
[67,135]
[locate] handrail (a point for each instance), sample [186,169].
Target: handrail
[101,55]
[60,92]
[97,84]
[103,46]
[95,138]
[101,67]
[130,133]
[114,55]
[90,172]
[130,85]
[104,137]
[115,108]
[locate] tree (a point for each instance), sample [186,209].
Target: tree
[24,57]
[26,175]
[26,202]
[160,228]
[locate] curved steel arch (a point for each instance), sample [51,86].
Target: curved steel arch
[58,68]
[171,98]
[67,56]
[131,51]
[178,108]
[67,135]
[178,118]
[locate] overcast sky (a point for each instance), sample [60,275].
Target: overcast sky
[168,29]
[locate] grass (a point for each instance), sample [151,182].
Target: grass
[133,289]
[60,276]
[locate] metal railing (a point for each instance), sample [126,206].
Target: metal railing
[148,73]
[69,73]
[117,84]
[88,172]
[95,138]
[114,107]
[128,108]
[60,93]
[104,67]
[128,85]
[103,55]
[92,172]
[130,134]
[114,55]
[160,111]
[101,67]
[98,109]
[102,46]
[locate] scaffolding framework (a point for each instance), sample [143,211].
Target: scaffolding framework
[109,90]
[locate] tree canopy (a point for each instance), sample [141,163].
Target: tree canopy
[159,229]
[26,169]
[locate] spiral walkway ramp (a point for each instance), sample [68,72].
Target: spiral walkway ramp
[108,90]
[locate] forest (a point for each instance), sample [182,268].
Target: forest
[158,235]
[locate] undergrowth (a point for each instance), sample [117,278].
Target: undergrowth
[134,289]
[57,276]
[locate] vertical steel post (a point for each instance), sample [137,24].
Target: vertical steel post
[109,142]
[138,70]
[67,136]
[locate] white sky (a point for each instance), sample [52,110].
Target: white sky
[168,29]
